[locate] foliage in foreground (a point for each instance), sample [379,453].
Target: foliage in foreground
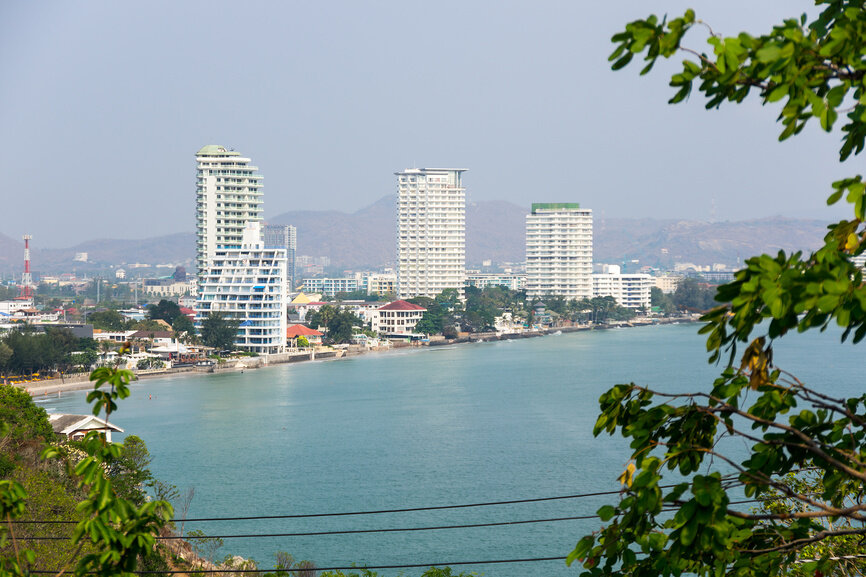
[806,463]
[116,527]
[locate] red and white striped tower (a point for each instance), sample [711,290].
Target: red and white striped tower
[27,278]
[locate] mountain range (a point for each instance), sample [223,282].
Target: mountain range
[495,231]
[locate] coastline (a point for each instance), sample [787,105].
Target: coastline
[81,381]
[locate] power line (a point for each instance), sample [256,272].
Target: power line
[343,568]
[374,512]
[354,531]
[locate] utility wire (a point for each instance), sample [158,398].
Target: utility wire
[353,531]
[343,568]
[373,512]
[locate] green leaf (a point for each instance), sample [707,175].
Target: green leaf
[606,513]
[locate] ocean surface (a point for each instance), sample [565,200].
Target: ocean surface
[473,423]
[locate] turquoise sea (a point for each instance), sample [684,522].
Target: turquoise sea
[425,427]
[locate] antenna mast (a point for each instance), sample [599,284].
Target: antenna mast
[26,278]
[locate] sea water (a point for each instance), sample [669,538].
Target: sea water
[423,427]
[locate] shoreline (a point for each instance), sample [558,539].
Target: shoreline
[81,381]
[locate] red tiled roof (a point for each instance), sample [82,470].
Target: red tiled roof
[401,306]
[187,311]
[300,330]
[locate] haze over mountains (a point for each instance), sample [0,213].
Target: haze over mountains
[495,231]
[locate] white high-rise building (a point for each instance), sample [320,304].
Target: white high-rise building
[559,251]
[228,196]
[633,291]
[431,237]
[247,283]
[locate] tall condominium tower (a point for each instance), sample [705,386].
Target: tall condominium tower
[247,283]
[283,236]
[431,237]
[559,251]
[228,195]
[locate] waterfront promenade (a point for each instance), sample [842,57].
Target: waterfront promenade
[80,381]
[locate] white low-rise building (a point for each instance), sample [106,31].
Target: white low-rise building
[510,281]
[632,291]
[397,318]
[11,307]
[247,284]
[330,286]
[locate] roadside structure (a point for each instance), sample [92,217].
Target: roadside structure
[431,231]
[559,251]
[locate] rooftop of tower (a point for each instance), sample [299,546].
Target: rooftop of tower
[430,170]
[216,150]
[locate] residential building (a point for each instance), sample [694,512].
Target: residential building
[397,318]
[76,427]
[294,332]
[431,224]
[668,283]
[11,307]
[378,283]
[330,286]
[510,281]
[167,287]
[284,236]
[559,251]
[247,284]
[228,195]
[633,291]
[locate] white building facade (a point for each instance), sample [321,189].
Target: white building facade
[431,231]
[228,195]
[633,291]
[330,286]
[247,284]
[396,319]
[559,251]
[510,281]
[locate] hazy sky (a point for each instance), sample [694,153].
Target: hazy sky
[104,104]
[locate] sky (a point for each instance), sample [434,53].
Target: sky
[104,104]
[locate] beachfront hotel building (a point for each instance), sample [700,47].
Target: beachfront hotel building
[228,196]
[559,251]
[632,291]
[247,283]
[431,231]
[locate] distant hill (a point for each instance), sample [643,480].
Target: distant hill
[101,253]
[495,231]
[704,243]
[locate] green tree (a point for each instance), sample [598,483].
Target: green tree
[165,310]
[130,473]
[303,342]
[182,325]
[815,69]
[693,296]
[107,320]
[5,356]
[664,302]
[218,331]
[24,419]
[323,316]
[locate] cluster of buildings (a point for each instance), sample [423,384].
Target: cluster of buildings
[246,268]
[431,246]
